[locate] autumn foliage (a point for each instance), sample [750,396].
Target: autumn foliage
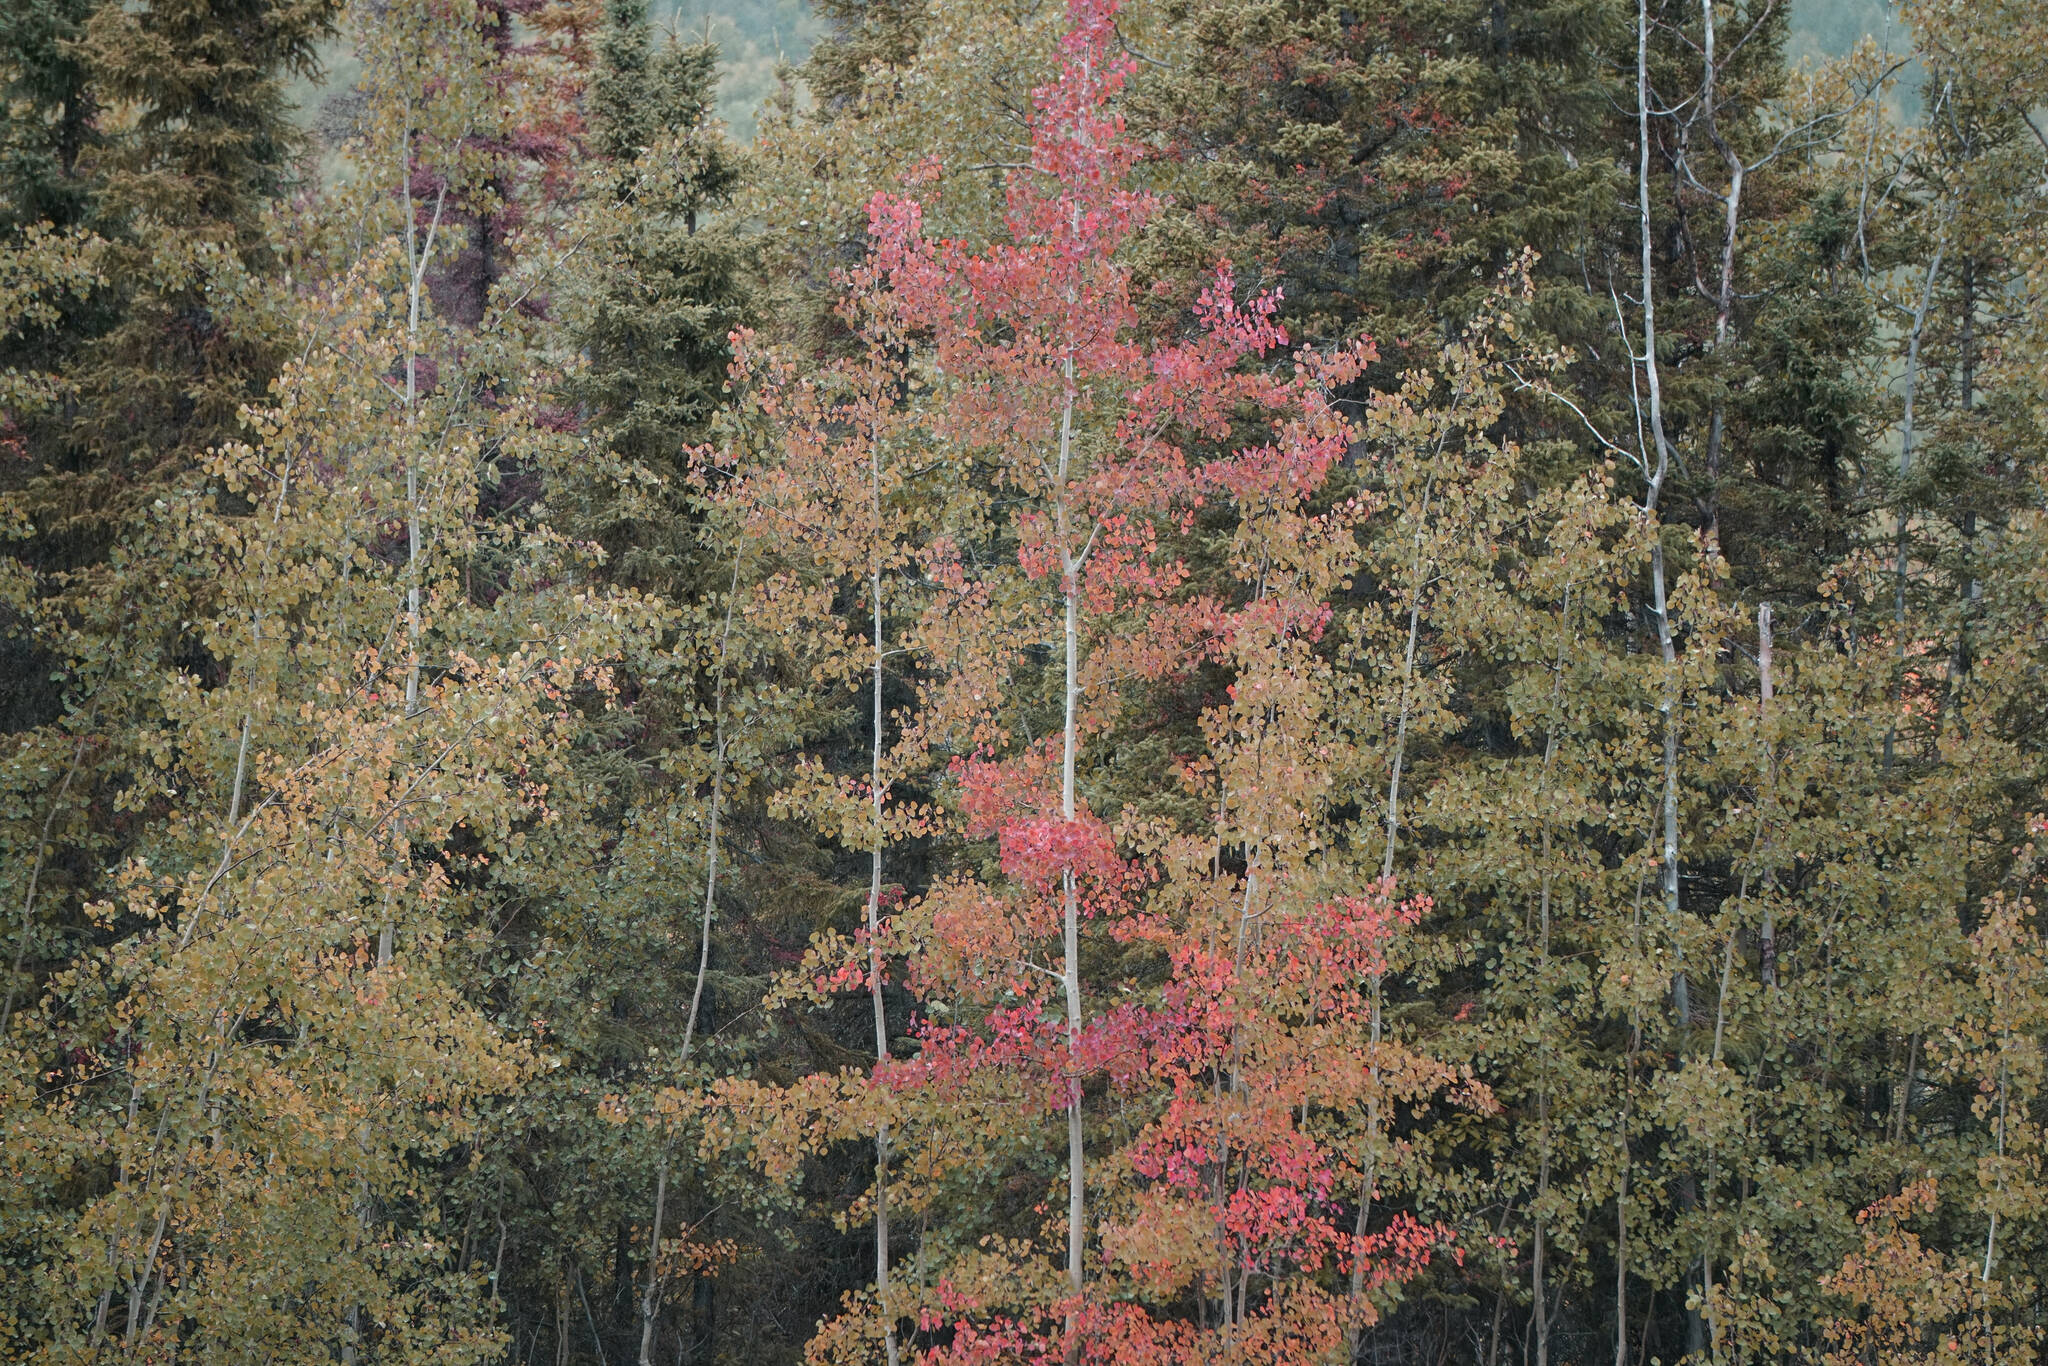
[1169,682]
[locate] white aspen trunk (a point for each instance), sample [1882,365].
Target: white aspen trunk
[417,256]
[1906,468]
[1375,1025]
[1537,1292]
[106,1304]
[1071,972]
[1234,1293]
[498,1257]
[1621,1209]
[241,748]
[151,1270]
[1657,469]
[1628,1080]
[650,1299]
[1539,1309]
[1972,590]
[1724,294]
[1905,1106]
[1071,566]
[1991,1235]
[1767,937]
[877,841]
[1681,1001]
[717,809]
[650,1302]
[1393,821]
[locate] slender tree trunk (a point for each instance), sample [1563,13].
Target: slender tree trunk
[1724,294]
[1905,1107]
[650,1299]
[1991,1233]
[1393,826]
[1539,1310]
[1621,1229]
[1415,587]
[1070,909]
[1767,937]
[1657,466]
[1628,1083]
[418,255]
[152,1269]
[1707,1311]
[1538,1304]
[1902,550]
[242,746]
[718,740]
[875,848]
[1966,344]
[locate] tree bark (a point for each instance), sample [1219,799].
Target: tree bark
[1905,469]
[1539,1307]
[1656,469]
[874,916]
[1393,826]
[1071,567]
[650,1299]
[717,808]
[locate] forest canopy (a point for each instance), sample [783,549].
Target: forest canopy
[1166,682]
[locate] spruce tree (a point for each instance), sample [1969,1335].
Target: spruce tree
[666,286]
[608,1205]
[49,129]
[211,147]
[866,35]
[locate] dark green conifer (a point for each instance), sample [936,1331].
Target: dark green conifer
[668,289]
[201,143]
[49,127]
[211,146]
[865,35]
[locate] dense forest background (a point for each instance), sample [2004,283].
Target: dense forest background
[756,38]
[998,681]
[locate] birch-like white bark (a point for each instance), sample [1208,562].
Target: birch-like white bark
[1540,1306]
[417,256]
[1375,1023]
[1071,566]
[650,1298]
[1905,468]
[718,754]
[875,850]
[1657,468]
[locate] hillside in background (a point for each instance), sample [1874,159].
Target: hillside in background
[756,37]
[1829,28]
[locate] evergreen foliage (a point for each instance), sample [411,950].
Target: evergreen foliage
[1180,681]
